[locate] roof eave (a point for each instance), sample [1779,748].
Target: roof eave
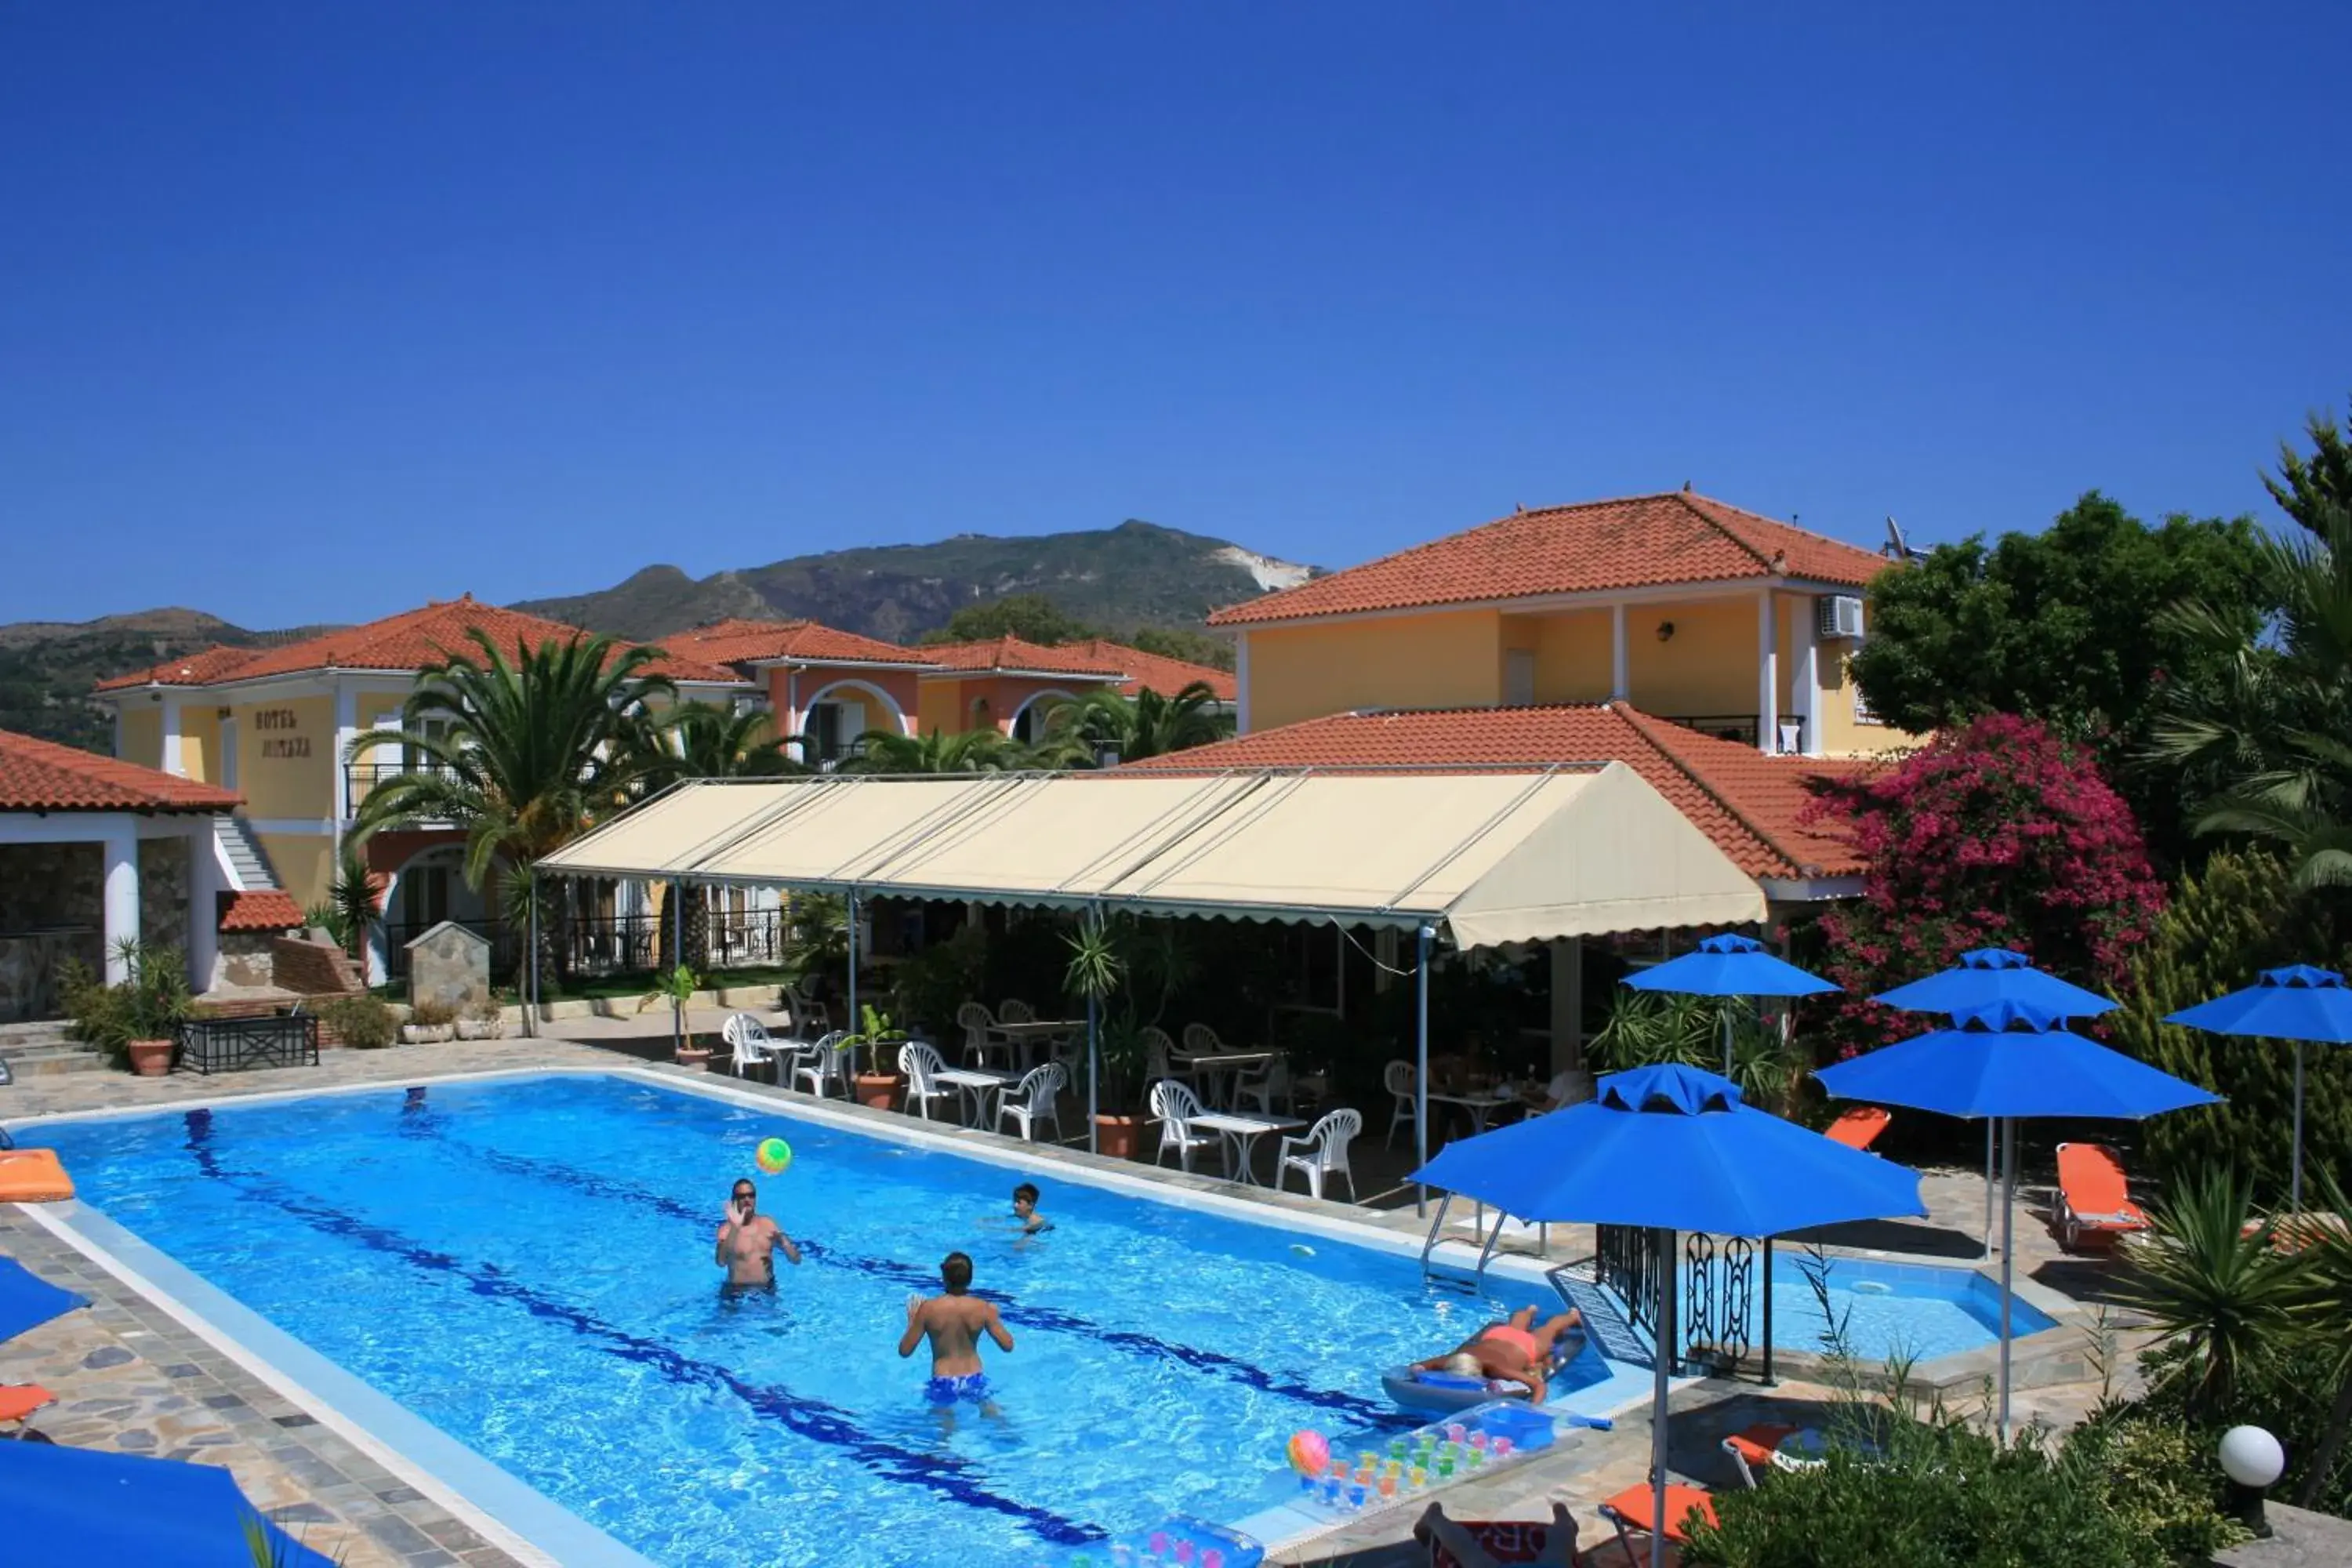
[1536,603]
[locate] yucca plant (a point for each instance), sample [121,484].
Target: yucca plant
[2208,1277]
[1646,1027]
[2325,1308]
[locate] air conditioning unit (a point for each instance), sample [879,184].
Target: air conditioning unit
[1837,616]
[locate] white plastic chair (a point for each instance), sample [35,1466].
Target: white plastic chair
[980,1036]
[1263,1084]
[1397,1079]
[1322,1152]
[1173,1106]
[922,1064]
[1013,1010]
[1156,1050]
[809,1019]
[1035,1099]
[749,1042]
[827,1067]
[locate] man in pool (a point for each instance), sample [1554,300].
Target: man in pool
[749,1240]
[954,1323]
[1515,1351]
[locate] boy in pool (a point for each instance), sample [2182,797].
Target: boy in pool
[1024,1209]
[1517,1350]
[954,1323]
[749,1240]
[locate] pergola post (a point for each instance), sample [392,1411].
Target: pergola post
[678,951]
[1421,1066]
[1094,1060]
[854,1016]
[530,939]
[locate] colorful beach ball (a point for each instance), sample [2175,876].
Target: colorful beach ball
[1309,1454]
[774,1155]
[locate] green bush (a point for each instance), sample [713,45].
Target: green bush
[2225,925]
[927,988]
[149,1004]
[364,1023]
[2289,1395]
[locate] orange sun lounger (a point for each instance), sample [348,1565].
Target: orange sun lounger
[32,1176]
[1629,1511]
[2092,1198]
[1859,1128]
[1754,1449]
[18,1403]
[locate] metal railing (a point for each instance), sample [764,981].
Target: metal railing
[1740,727]
[1723,1289]
[360,778]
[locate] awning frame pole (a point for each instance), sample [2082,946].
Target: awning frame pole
[1094,1064]
[678,953]
[857,1023]
[530,991]
[1421,1066]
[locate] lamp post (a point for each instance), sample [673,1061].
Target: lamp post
[2254,1461]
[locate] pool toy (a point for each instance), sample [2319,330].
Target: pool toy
[1309,1454]
[32,1176]
[773,1155]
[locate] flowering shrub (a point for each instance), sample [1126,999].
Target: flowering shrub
[1997,835]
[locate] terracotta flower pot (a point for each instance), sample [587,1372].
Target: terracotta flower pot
[1116,1137]
[878,1090]
[691,1055]
[150,1058]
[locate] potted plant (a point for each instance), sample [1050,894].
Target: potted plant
[136,1021]
[430,1023]
[364,1023]
[879,1083]
[483,1020]
[677,988]
[1094,970]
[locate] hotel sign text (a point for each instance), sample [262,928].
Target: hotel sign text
[282,745]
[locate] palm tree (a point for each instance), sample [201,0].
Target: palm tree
[2210,1278]
[1147,724]
[524,754]
[702,740]
[967,752]
[2271,740]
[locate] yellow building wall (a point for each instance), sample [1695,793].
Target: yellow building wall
[200,756]
[142,735]
[940,708]
[1707,667]
[304,863]
[378,711]
[1843,735]
[1574,662]
[286,757]
[1447,659]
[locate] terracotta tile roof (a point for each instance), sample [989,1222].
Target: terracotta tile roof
[194,669]
[739,641]
[1747,802]
[415,639]
[1011,655]
[1593,547]
[1161,674]
[41,775]
[270,909]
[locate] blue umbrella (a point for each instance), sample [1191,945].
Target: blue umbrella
[1671,1148]
[1985,977]
[1728,966]
[123,1511]
[1992,975]
[2006,1061]
[2298,1002]
[28,1300]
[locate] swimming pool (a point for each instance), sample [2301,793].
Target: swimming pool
[526,1264]
[1918,1310]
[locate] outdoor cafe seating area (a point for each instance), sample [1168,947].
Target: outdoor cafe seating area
[1212,1105]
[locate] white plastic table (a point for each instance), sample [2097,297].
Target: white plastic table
[1205,1069]
[977,1084]
[1479,1106]
[1024,1037]
[1243,1133]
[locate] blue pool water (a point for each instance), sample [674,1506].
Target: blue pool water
[527,1264]
[1918,1310]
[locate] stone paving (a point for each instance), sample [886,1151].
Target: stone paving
[132,1377]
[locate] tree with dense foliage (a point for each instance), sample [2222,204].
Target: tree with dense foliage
[1033,618]
[1998,834]
[2068,627]
[2227,922]
[523,753]
[2306,488]
[1192,648]
[1147,724]
[940,752]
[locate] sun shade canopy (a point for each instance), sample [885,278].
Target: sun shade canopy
[1730,966]
[2297,1003]
[1672,1147]
[1489,857]
[2010,1059]
[1988,976]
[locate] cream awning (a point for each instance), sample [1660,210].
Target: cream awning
[1488,857]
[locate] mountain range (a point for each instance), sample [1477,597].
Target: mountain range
[1125,579]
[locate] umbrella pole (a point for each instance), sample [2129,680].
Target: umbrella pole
[2007,1254]
[1726,1039]
[1660,1336]
[1421,1069]
[2295,1189]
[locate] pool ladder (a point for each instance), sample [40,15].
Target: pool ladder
[1475,1283]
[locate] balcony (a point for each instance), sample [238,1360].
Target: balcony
[360,779]
[1741,727]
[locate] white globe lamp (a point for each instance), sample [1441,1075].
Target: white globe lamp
[2254,1461]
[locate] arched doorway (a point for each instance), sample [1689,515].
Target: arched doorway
[831,721]
[1029,719]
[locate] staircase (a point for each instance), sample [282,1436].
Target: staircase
[36,1050]
[246,855]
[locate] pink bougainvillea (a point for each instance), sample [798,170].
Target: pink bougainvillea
[1997,834]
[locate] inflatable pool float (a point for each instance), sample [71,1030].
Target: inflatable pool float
[32,1176]
[1441,1392]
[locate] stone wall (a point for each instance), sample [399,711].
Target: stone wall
[245,959]
[164,893]
[311,968]
[52,887]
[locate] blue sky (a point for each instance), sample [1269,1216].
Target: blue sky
[311,312]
